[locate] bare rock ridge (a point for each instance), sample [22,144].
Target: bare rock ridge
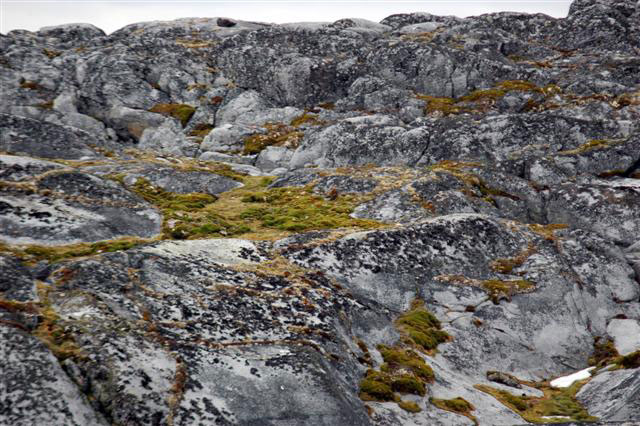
[421,221]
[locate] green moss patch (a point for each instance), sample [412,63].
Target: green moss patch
[554,403]
[181,112]
[421,327]
[201,130]
[52,254]
[409,406]
[456,405]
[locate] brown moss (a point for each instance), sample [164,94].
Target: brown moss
[276,135]
[30,85]
[592,145]
[547,231]
[50,53]
[631,360]
[505,289]
[604,351]
[181,112]
[201,130]
[506,265]
[308,119]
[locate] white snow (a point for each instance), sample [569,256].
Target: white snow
[566,381]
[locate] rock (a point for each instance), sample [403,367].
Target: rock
[505,379]
[610,395]
[273,157]
[626,335]
[30,137]
[71,207]
[38,390]
[15,168]
[224,22]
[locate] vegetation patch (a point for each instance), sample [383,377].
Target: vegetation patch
[194,43]
[547,231]
[592,145]
[631,360]
[307,119]
[507,265]
[556,402]
[479,100]
[421,328]
[277,134]
[495,288]
[409,406]
[457,405]
[181,112]
[252,211]
[201,130]
[604,352]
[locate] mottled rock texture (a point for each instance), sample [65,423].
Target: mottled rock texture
[420,221]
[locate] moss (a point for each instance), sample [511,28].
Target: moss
[50,53]
[30,85]
[296,210]
[547,231]
[376,386]
[445,106]
[194,43]
[396,358]
[181,112]
[507,265]
[592,145]
[456,405]
[48,105]
[327,105]
[485,94]
[408,384]
[421,327]
[631,360]
[604,352]
[554,402]
[409,406]
[275,135]
[52,254]
[306,118]
[499,289]
[201,130]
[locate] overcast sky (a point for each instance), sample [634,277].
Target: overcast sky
[111,15]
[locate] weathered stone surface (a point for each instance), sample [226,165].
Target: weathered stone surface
[70,207]
[612,395]
[495,157]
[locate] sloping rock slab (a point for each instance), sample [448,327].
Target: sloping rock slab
[71,207]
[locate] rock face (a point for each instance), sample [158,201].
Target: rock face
[420,221]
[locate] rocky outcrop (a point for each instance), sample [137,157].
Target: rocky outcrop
[417,221]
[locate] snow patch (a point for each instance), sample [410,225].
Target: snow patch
[566,381]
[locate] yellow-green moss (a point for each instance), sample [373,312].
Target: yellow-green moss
[554,403]
[298,209]
[52,254]
[592,145]
[456,405]
[306,118]
[547,231]
[397,358]
[277,134]
[376,386]
[442,105]
[499,289]
[421,327]
[409,406]
[181,112]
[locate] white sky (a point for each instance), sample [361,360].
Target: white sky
[111,15]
